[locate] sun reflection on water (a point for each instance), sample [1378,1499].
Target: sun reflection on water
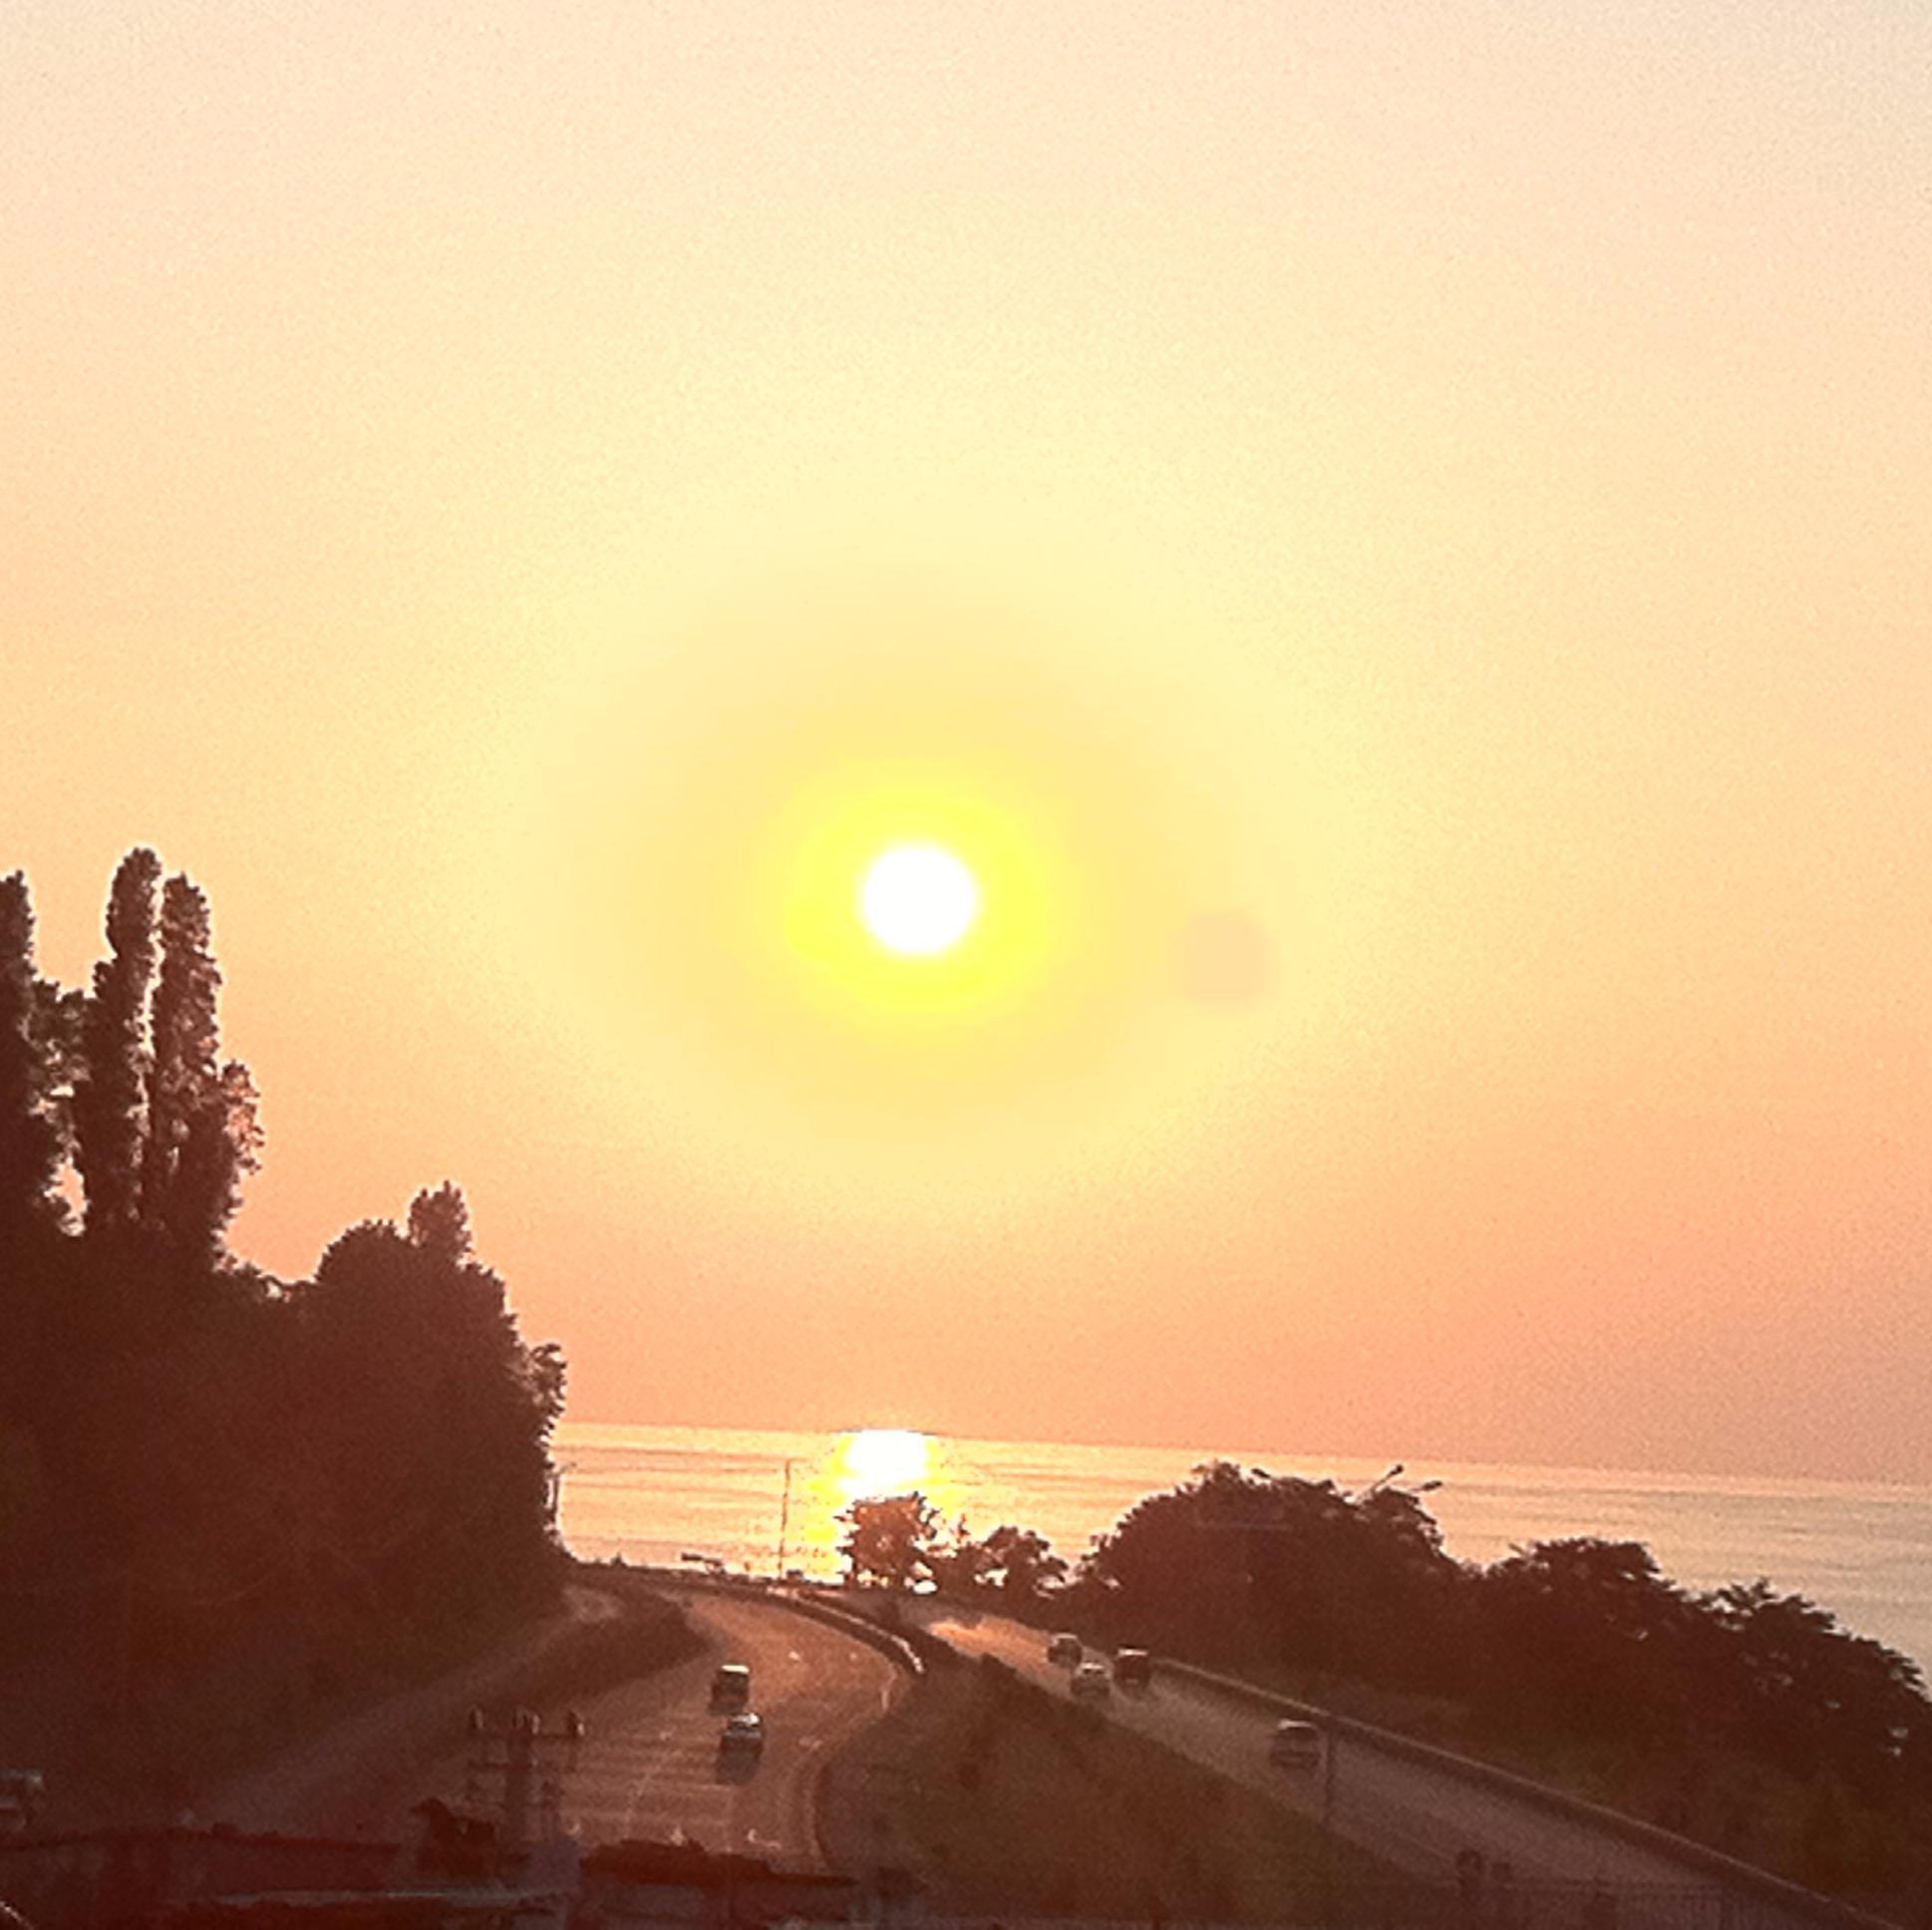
[862,1466]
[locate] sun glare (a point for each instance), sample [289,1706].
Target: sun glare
[918,899]
[882,1460]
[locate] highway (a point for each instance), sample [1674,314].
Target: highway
[649,1766]
[1411,1814]
[648,1763]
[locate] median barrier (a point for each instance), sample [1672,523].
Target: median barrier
[1683,1850]
[860,1628]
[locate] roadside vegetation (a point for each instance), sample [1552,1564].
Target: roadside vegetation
[1749,1719]
[998,1798]
[229,1504]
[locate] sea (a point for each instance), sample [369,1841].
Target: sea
[769,1501]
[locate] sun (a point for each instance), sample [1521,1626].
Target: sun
[918,899]
[881,1461]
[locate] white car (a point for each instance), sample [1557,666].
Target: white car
[1090,1679]
[1296,1746]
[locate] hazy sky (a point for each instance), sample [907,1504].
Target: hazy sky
[1400,536]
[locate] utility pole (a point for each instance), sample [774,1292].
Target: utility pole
[532,1787]
[784,1516]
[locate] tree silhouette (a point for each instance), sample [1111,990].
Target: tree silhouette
[438,1223]
[223,1143]
[1021,1564]
[30,1134]
[891,1539]
[111,1090]
[201,1130]
[436,1417]
[1236,1562]
[229,1500]
[1585,1633]
[181,1030]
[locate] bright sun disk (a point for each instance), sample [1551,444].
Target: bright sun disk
[882,1460]
[918,899]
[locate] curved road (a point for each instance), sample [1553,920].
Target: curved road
[1408,1813]
[649,1768]
[648,1763]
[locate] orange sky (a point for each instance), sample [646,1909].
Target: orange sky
[1405,529]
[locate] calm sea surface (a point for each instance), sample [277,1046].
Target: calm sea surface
[657,1494]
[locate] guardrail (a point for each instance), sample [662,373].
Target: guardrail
[1740,1876]
[861,1628]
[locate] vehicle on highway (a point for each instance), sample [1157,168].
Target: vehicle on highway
[1063,1647]
[1296,1746]
[1090,1679]
[1132,1668]
[731,1687]
[742,1735]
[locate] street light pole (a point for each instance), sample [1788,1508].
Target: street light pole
[784,1518]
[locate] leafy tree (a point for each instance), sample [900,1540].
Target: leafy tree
[958,1563]
[111,1091]
[1237,1562]
[1784,1678]
[254,1486]
[1022,1565]
[30,1134]
[438,1223]
[437,1416]
[1587,1634]
[891,1539]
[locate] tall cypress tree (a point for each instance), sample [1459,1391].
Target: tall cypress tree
[201,1132]
[30,1139]
[183,1031]
[223,1143]
[111,1090]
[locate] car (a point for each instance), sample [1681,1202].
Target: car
[743,1735]
[1062,1648]
[1090,1679]
[1132,1668]
[731,1686]
[1296,1746]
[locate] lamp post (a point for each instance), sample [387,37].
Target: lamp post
[1331,1731]
[785,1519]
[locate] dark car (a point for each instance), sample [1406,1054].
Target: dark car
[1296,1746]
[743,1737]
